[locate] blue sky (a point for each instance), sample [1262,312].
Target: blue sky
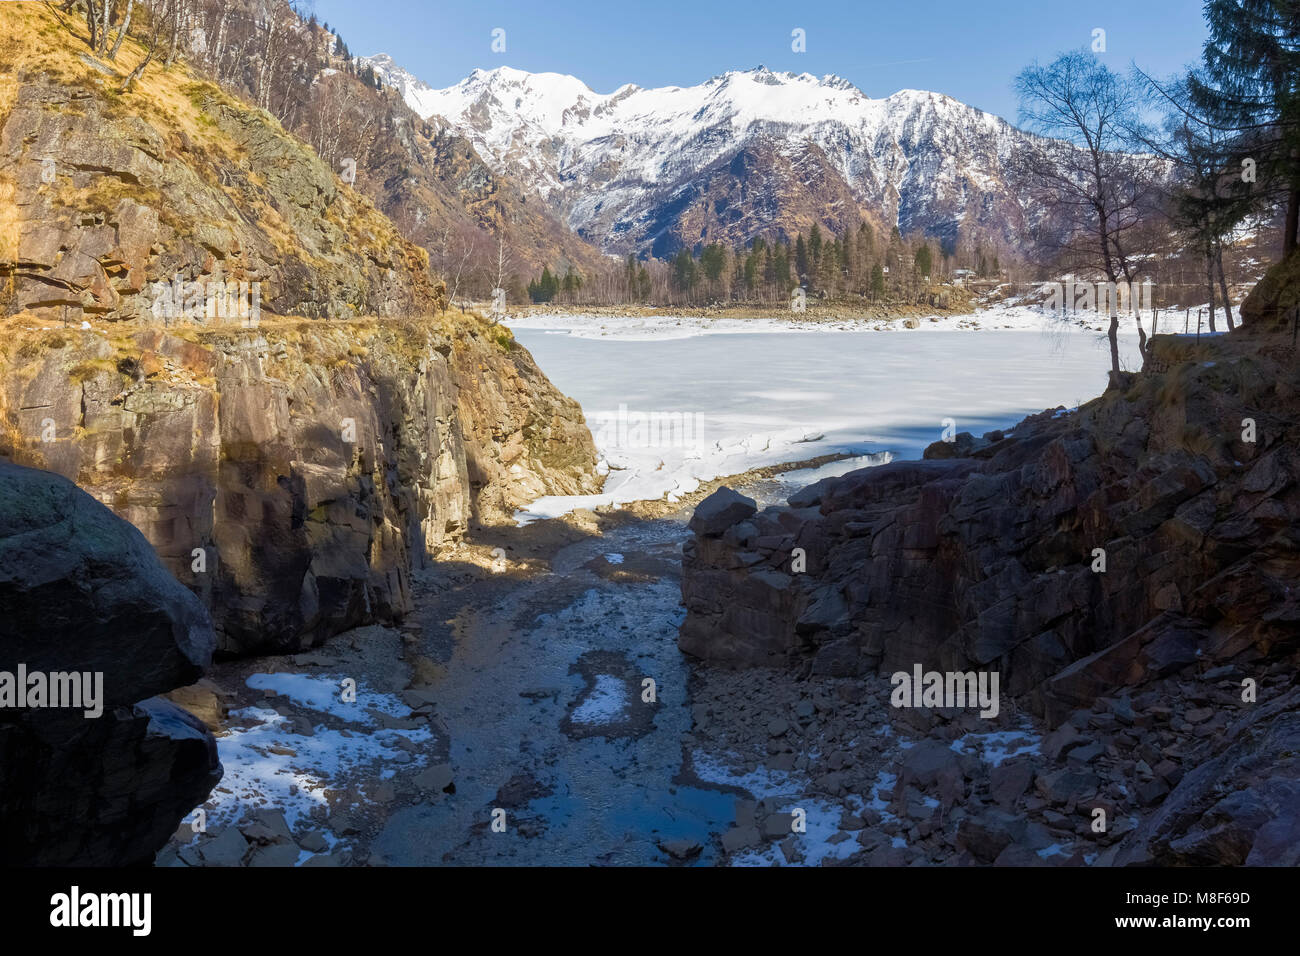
[969,50]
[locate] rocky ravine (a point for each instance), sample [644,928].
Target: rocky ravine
[83,592]
[292,476]
[981,558]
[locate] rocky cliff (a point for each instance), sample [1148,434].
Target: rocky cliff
[291,476]
[983,555]
[1119,550]
[164,251]
[83,594]
[104,193]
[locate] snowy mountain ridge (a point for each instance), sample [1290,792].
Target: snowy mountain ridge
[744,153]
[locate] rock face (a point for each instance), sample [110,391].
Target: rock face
[1240,807]
[986,562]
[292,476]
[83,592]
[109,204]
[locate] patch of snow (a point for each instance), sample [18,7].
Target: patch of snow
[295,780]
[993,748]
[822,821]
[759,784]
[606,703]
[325,694]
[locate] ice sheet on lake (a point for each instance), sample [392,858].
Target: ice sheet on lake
[675,402]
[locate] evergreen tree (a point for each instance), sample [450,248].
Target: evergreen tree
[544,289]
[1250,83]
[923,260]
[781,269]
[801,256]
[877,282]
[684,272]
[712,261]
[849,255]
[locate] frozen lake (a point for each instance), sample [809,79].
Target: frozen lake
[671,406]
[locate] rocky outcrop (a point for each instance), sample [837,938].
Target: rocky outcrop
[292,476]
[1238,805]
[83,593]
[111,194]
[993,560]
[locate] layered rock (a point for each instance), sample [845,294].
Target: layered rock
[291,477]
[986,561]
[83,592]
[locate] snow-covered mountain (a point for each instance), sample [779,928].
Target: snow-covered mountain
[744,154]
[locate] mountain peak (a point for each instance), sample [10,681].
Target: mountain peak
[622,167]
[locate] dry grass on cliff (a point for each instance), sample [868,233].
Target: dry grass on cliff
[182,108]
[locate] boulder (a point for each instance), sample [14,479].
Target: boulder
[719,511]
[84,593]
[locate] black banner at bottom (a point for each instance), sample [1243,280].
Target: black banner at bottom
[363,904]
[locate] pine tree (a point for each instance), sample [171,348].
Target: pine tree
[924,261]
[801,256]
[849,253]
[1250,83]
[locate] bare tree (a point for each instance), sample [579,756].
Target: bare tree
[464,247]
[161,13]
[1095,193]
[503,267]
[122,31]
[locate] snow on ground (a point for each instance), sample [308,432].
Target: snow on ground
[326,695]
[998,746]
[674,402]
[821,840]
[270,766]
[605,704]
[651,328]
[759,784]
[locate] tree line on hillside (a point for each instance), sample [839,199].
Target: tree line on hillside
[852,265]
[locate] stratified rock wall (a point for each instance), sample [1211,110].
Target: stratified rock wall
[293,476]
